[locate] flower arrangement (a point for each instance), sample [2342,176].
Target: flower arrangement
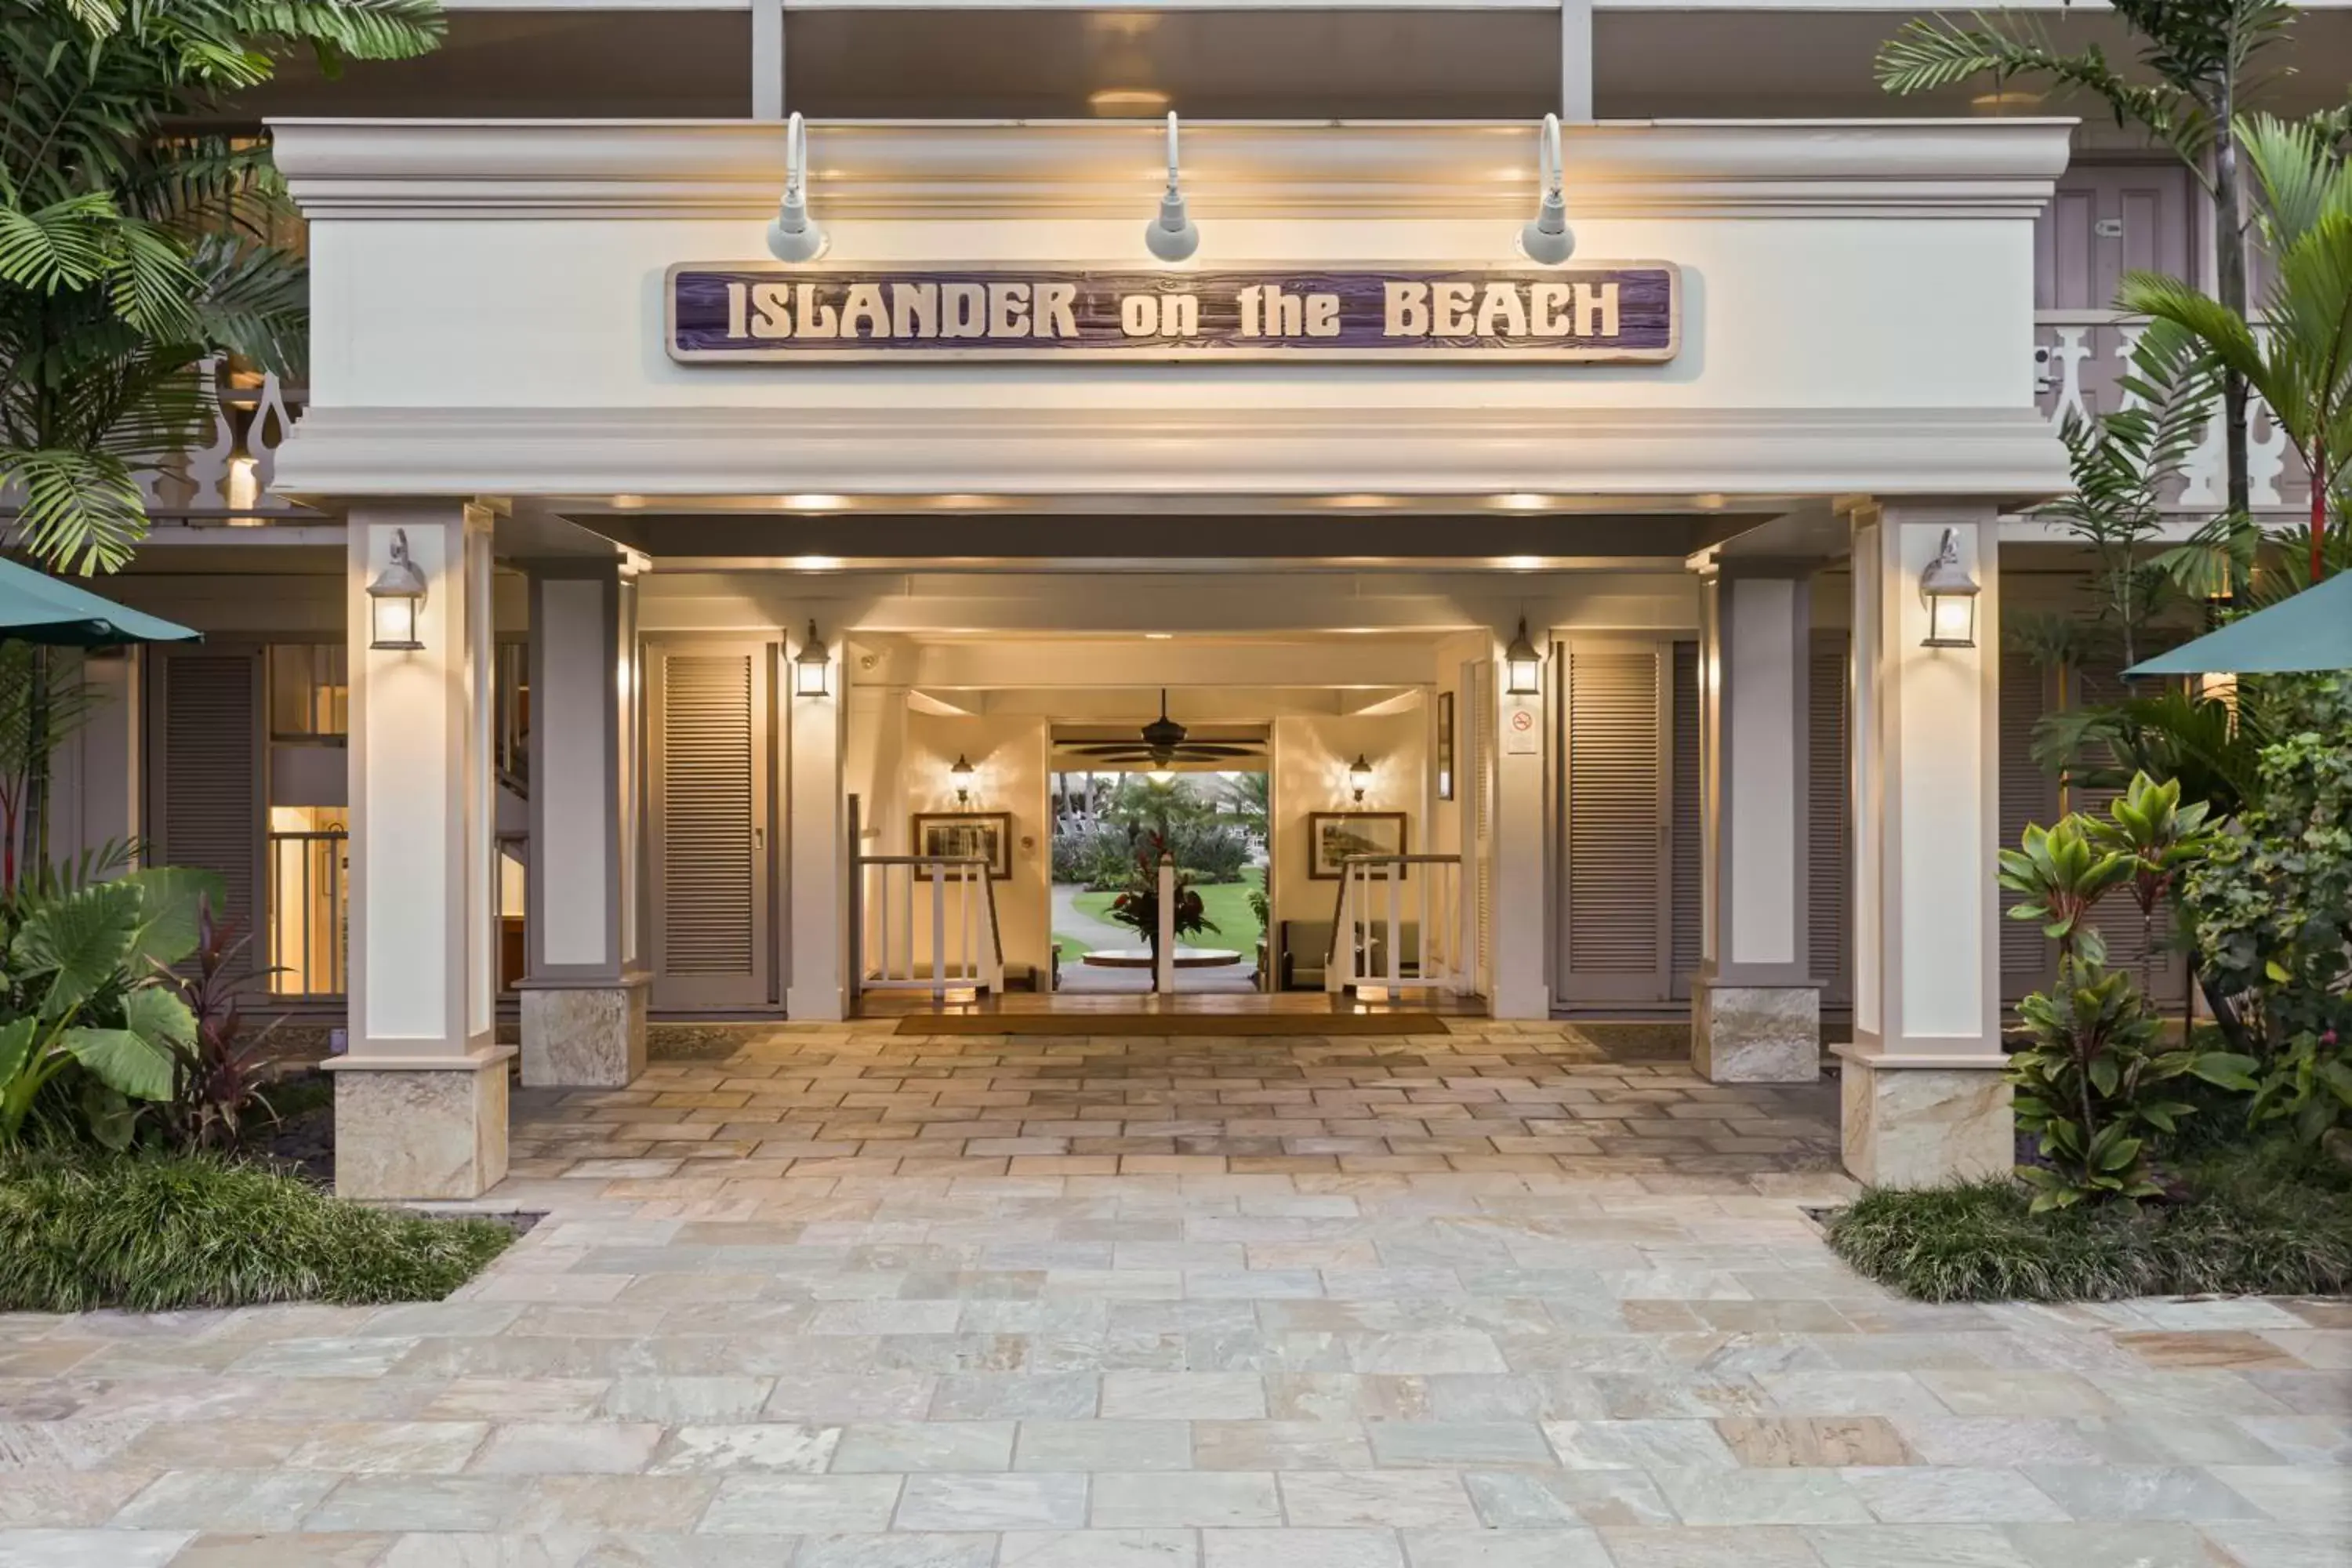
[1138,904]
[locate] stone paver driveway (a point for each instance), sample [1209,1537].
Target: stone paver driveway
[851,1300]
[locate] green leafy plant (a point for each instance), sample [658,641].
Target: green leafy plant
[129,251]
[2062,872]
[2161,836]
[152,1232]
[83,991]
[2196,63]
[2091,1085]
[2300,362]
[1137,906]
[2271,907]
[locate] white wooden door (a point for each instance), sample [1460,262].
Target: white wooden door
[711,804]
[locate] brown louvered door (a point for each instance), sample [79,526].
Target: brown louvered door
[205,790]
[1478,809]
[2027,794]
[1615,933]
[1830,823]
[1687,845]
[709,716]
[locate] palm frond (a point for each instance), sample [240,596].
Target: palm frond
[81,510]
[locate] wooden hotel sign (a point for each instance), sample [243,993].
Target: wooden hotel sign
[1617,310]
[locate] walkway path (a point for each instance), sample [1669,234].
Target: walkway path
[853,1300]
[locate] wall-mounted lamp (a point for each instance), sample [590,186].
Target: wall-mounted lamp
[1359,777]
[1545,237]
[962,773]
[1172,236]
[1951,597]
[1522,666]
[795,235]
[396,600]
[812,669]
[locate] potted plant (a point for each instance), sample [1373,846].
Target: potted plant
[1138,904]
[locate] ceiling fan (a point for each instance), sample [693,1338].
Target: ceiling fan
[1162,743]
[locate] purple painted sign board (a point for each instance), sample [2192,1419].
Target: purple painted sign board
[1617,310]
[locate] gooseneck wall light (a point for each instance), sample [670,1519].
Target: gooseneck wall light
[1173,235]
[1951,597]
[396,600]
[795,235]
[1522,666]
[812,668]
[1545,237]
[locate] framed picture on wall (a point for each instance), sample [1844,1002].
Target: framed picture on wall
[985,833]
[1445,745]
[1332,836]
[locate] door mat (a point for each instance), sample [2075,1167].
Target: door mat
[1213,1025]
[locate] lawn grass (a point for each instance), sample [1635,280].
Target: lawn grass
[161,1231]
[2267,1217]
[1225,903]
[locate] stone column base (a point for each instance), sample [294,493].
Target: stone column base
[583,1037]
[433,1129]
[1925,1126]
[1756,1034]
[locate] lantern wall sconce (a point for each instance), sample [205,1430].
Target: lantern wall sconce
[963,775]
[1522,666]
[812,668]
[1359,777]
[396,601]
[1951,597]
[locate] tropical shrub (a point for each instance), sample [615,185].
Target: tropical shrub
[1210,851]
[2271,904]
[2159,838]
[222,1068]
[2062,872]
[84,1000]
[2091,1081]
[1137,905]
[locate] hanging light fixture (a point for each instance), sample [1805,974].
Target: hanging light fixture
[1522,666]
[1359,777]
[396,600]
[1545,237]
[963,775]
[1173,235]
[795,235]
[1951,597]
[812,669]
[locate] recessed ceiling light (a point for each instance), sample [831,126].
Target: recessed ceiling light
[1111,102]
[816,563]
[1521,501]
[1157,636]
[814,502]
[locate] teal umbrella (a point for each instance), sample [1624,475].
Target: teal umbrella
[2312,631]
[38,608]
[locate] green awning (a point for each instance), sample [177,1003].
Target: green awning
[2312,631]
[38,608]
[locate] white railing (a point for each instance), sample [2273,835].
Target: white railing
[1402,923]
[926,922]
[2079,360]
[227,478]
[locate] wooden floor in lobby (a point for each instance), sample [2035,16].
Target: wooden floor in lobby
[1279,1003]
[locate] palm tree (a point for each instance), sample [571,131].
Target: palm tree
[2301,362]
[129,256]
[2202,56]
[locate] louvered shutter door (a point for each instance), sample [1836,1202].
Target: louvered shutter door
[1614,936]
[2027,794]
[1689,840]
[2117,917]
[710,907]
[1829,847]
[210,807]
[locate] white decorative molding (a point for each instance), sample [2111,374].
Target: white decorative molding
[422,169]
[2004,455]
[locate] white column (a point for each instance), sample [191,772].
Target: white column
[816,838]
[1925,1099]
[420,1098]
[1756,1004]
[1521,904]
[583,995]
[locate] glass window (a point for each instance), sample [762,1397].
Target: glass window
[310,695]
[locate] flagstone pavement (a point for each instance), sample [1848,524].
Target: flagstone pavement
[1490,1300]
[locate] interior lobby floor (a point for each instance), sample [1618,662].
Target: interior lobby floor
[834,1297]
